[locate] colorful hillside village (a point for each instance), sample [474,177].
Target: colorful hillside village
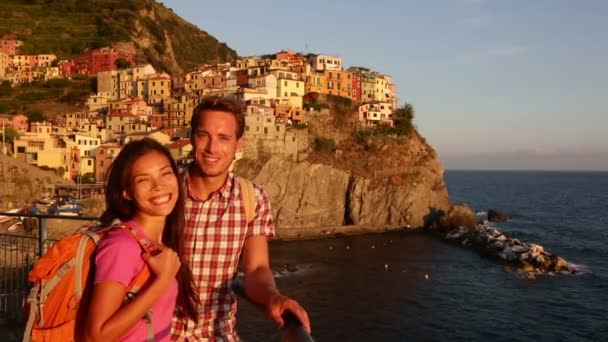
[135,101]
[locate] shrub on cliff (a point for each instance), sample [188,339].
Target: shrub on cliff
[325,145]
[404,119]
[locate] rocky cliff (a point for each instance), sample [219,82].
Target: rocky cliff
[377,183]
[21,183]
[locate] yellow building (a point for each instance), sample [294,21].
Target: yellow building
[290,88]
[368,87]
[87,166]
[178,111]
[159,88]
[194,82]
[263,126]
[118,124]
[382,88]
[5,62]
[42,149]
[84,143]
[96,102]
[45,60]
[121,84]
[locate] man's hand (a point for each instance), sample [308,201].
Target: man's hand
[278,304]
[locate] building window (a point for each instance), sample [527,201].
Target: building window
[265,130]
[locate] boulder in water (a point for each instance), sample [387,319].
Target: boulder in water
[495,216]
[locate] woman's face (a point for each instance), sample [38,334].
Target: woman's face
[153,185]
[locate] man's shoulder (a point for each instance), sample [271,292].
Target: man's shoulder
[258,189]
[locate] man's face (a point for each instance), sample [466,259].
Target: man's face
[215,143]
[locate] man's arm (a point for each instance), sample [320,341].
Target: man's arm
[260,286]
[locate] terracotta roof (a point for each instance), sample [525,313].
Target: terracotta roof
[179,143]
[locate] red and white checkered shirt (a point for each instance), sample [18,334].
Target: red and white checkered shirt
[216,230]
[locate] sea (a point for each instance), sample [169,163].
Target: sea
[415,287]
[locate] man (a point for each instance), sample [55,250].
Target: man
[217,231]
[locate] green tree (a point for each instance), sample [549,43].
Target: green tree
[325,145]
[6,89]
[122,63]
[404,119]
[35,116]
[4,107]
[9,134]
[87,178]
[60,171]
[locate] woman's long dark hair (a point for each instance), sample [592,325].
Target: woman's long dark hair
[117,207]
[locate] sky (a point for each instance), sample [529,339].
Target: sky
[496,84]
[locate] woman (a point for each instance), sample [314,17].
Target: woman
[142,191]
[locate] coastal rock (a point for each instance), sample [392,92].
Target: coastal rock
[495,216]
[459,215]
[517,255]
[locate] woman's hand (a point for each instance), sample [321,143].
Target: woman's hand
[164,264]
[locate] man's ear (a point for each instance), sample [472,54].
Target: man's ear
[125,195]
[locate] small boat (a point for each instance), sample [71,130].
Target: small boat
[67,209]
[15,226]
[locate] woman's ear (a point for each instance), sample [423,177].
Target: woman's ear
[125,195]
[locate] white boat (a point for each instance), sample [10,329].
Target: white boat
[14,226]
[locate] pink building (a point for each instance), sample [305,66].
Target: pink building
[9,46]
[17,122]
[285,54]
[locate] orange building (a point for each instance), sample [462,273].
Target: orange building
[339,82]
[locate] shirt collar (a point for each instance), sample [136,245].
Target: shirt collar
[223,192]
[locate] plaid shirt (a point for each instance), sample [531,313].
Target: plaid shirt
[216,230]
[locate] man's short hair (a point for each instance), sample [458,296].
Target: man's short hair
[221,104]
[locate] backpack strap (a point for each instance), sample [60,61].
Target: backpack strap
[248,198]
[140,279]
[34,302]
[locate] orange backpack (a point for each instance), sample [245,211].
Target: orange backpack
[63,278]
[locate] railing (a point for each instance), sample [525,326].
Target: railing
[19,253]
